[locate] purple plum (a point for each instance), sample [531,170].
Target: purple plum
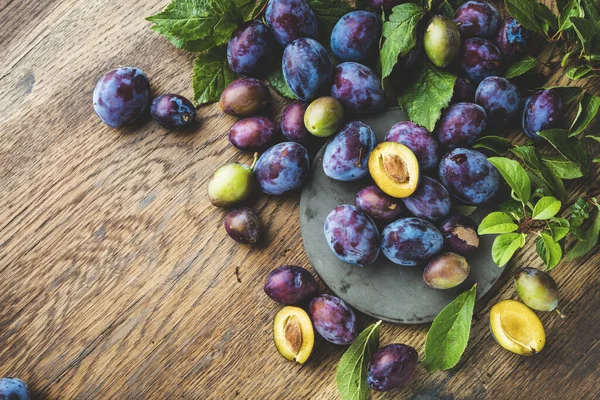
[378,205]
[460,234]
[282,168]
[411,241]
[253,133]
[461,125]
[512,39]
[500,99]
[173,112]
[392,367]
[464,90]
[431,200]
[477,18]
[292,123]
[419,140]
[479,58]
[291,285]
[244,97]
[347,154]
[543,110]
[333,319]
[243,225]
[290,20]
[356,36]
[250,49]
[358,88]
[307,68]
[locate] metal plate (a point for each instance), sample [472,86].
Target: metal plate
[383,289]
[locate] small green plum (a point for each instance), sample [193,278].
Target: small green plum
[324,116]
[441,41]
[537,289]
[231,184]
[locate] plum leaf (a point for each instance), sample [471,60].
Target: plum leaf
[515,175]
[547,176]
[590,239]
[497,222]
[549,250]
[278,83]
[589,105]
[546,208]
[520,67]
[505,246]
[211,75]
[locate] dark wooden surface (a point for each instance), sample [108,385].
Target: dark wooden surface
[116,277]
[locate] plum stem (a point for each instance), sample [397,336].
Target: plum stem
[254,161]
[562,316]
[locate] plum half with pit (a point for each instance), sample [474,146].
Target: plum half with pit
[282,168]
[411,241]
[500,99]
[351,235]
[419,140]
[395,169]
[460,234]
[347,154]
[290,285]
[431,200]
[446,270]
[244,97]
[243,225]
[542,110]
[469,176]
[253,133]
[333,319]
[306,68]
[378,205]
[358,88]
[477,18]
[392,367]
[461,125]
[289,20]
[356,36]
[292,123]
[293,334]
[250,49]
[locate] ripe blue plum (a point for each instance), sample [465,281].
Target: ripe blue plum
[461,125]
[386,5]
[307,68]
[333,319]
[512,39]
[469,176]
[121,96]
[356,36]
[291,285]
[460,234]
[419,140]
[292,123]
[378,205]
[479,58]
[500,99]
[253,133]
[543,110]
[477,18]
[358,88]
[464,90]
[351,235]
[392,367]
[243,225]
[250,49]
[431,200]
[173,112]
[290,20]
[14,389]
[411,241]
[244,97]
[347,154]
[282,168]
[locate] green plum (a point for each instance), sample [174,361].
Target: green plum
[441,41]
[231,184]
[324,116]
[537,289]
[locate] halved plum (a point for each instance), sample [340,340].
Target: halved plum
[293,334]
[395,169]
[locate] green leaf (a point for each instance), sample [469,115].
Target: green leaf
[514,208]
[497,144]
[505,246]
[497,222]
[211,75]
[195,46]
[426,96]
[568,94]
[562,167]
[449,333]
[591,10]
[548,178]
[351,373]
[548,250]
[580,211]
[464,210]
[328,13]
[521,67]
[400,35]
[514,174]
[578,72]
[546,208]
[278,83]
[571,149]
[590,239]
[524,11]
[559,227]
[589,105]
[596,138]
[572,9]
[545,18]
[586,30]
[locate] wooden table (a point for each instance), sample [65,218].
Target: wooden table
[117,277]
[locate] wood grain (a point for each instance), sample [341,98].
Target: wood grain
[118,280]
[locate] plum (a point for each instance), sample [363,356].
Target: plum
[460,234]
[395,169]
[356,36]
[307,68]
[385,5]
[378,205]
[291,285]
[542,110]
[461,125]
[243,225]
[441,41]
[347,154]
[446,271]
[290,20]
[392,367]
[324,116]
[244,97]
[512,39]
[173,112]
[419,140]
[333,319]
[231,184]
[500,98]
[121,96]
[293,334]
[411,241]
[536,288]
[14,389]
[292,123]
[431,200]
[358,88]
[479,58]
[351,235]
[253,133]
[469,176]
[464,90]
[282,168]
[477,18]
[250,49]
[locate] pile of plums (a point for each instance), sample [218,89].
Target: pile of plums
[391,367]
